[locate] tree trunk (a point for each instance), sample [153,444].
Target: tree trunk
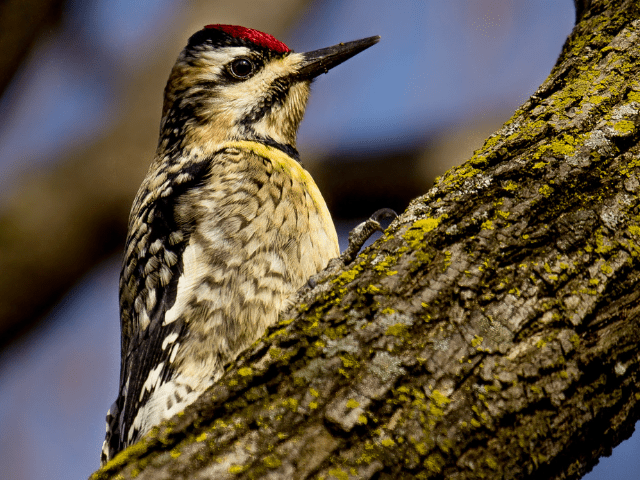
[492,332]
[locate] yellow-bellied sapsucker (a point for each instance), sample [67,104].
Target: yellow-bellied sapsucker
[226,225]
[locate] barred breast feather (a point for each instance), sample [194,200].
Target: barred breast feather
[215,248]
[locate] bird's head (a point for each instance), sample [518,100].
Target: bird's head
[233,83]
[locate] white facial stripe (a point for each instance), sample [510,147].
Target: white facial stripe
[212,62]
[222,56]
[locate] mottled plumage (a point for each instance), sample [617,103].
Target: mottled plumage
[225,227]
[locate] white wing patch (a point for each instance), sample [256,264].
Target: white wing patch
[144,320]
[169,339]
[194,271]
[166,401]
[174,352]
[152,380]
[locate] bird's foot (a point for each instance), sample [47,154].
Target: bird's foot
[361,233]
[357,237]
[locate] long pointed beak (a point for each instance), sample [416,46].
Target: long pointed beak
[323,60]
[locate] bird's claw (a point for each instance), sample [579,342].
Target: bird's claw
[362,232]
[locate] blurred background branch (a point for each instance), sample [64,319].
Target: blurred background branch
[22,23]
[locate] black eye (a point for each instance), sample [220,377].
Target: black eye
[241,68]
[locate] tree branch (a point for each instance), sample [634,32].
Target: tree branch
[493,332]
[22,22]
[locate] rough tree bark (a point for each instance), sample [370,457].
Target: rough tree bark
[492,332]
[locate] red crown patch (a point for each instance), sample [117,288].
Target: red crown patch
[259,38]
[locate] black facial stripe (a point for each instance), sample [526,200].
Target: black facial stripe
[275,96]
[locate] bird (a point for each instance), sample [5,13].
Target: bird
[226,225]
